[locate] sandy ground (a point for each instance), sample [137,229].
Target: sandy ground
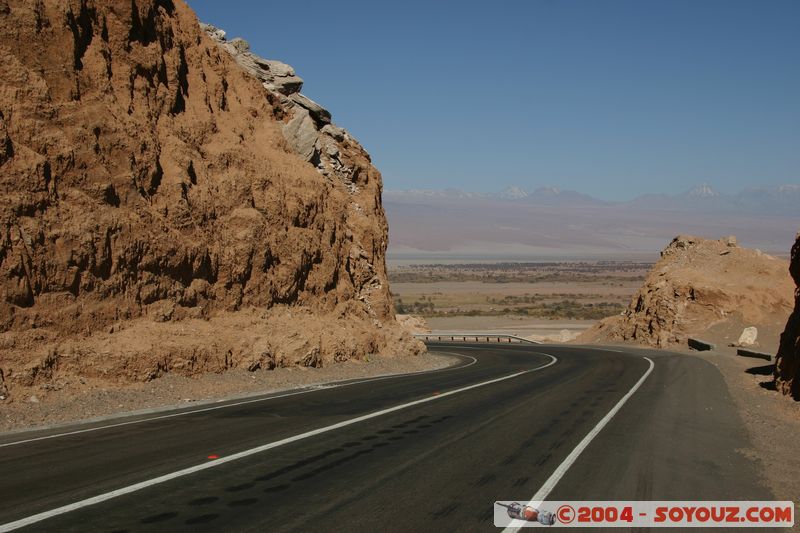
[92,400]
[511,325]
[726,333]
[772,420]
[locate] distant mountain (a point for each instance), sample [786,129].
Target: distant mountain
[433,194]
[551,222]
[774,200]
[556,196]
[701,191]
[780,200]
[699,197]
[514,193]
[540,196]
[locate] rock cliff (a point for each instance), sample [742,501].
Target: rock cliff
[170,202]
[787,362]
[702,287]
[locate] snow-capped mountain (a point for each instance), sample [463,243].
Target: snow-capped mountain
[513,193]
[703,190]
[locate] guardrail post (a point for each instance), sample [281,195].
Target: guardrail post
[751,353]
[700,345]
[474,337]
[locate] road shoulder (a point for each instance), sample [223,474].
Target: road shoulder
[772,421]
[92,404]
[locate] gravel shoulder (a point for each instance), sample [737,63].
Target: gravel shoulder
[773,420]
[38,407]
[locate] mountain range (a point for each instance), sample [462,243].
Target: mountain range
[552,222]
[773,200]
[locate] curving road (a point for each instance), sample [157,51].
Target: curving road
[424,452]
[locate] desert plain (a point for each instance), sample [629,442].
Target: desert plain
[552,301]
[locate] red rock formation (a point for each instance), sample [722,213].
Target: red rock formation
[697,285]
[787,362]
[144,173]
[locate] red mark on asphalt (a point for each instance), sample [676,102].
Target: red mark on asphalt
[213,456]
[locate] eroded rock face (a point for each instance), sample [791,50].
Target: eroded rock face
[147,170]
[699,284]
[307,125]
[414,324]
[787,362]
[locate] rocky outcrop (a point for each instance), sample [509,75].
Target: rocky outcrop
[152,172]
[699,285]
[414,324]
[307,125]
[787,362]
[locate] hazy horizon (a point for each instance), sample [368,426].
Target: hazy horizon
[449,225]
[498,192]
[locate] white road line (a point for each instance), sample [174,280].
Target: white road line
[311,388]
[24,522]
[556,476]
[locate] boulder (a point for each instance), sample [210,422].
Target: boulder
[213,32]
[320,115]
[274,75]
[748,337]
[337,133]
[302,134]
[280,76]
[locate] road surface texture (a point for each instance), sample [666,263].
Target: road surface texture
[425,452]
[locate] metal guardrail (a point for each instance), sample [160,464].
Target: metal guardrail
[474,337]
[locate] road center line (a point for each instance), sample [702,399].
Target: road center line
[306,390]
[10,526]
[556,476]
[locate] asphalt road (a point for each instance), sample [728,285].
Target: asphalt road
[425,452]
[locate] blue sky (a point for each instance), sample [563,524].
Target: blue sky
[613,98]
